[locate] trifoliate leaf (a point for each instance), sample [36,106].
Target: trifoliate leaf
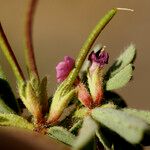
[123,60]
[120,79]
[145,115]
[4,108]
[86,133]
[14,121]
[131,128]
[61,134]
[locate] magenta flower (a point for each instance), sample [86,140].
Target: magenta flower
[63,68]
[100,58]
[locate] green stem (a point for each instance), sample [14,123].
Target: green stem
[66,86]
[88,44]
[7,50]
[30,58]
[2,74]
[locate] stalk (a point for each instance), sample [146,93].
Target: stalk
[29,50]
[88,44]
[8,52]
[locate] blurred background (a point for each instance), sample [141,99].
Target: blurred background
[61,27]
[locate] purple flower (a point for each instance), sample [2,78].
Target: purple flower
[100,58]
[63,68]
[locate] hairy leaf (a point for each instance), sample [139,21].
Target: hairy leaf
[61,134]
[123,60]
[131,128]
[43,94]
[14,121]
[120,79]
[86,133]
[4,108]
[145,115]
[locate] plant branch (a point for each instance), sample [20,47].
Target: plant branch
[30,58]
[66,85]
[8,52]
[88,44]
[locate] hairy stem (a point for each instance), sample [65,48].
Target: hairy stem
[66,85]
[8,52]
[2,74]
[88,44]
[30,58]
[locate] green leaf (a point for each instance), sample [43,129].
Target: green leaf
[2,74]
[14,121]
[61,134]
[120,79]
[131,128]
[4,108]
[123,60]
[145,115]
[86,133]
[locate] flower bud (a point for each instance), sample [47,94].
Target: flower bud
[83,95]
[99,58]
[63,68]
[95,86]
[60,101]
[95,75]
